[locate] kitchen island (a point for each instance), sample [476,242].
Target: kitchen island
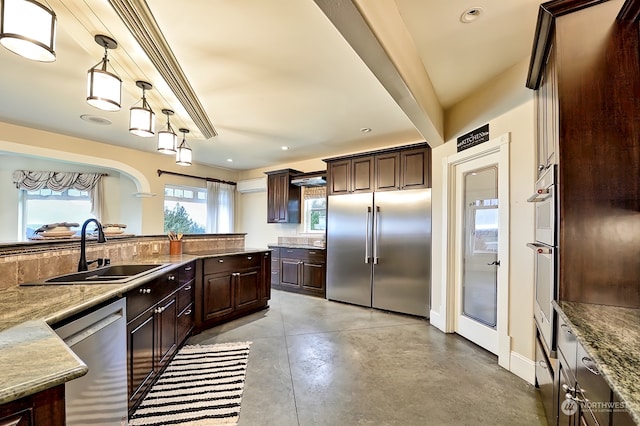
[33,357]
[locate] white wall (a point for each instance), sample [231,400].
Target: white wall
[507,105]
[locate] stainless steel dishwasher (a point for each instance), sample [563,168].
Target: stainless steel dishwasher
[100,340]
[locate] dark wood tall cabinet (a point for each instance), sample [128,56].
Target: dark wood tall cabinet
[283,198]
[585,68]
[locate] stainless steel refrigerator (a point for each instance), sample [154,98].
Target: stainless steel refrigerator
[379,250]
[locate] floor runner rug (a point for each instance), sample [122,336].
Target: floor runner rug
[202,385]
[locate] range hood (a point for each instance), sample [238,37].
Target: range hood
[309,179]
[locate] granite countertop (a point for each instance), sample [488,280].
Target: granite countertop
[611,337]
[302,246]
[33,357]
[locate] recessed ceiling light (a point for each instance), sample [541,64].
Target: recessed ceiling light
[470,15]
[285,148]
[365,130]
[230,160]
[95,119]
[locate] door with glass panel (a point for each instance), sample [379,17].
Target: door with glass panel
[477,257]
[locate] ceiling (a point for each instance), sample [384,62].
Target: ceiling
[294,73]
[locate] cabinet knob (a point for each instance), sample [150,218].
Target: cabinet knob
[188,268]
[144,291]
[220,261]
[171,278]
[249,257]
[188,312]
[187,288]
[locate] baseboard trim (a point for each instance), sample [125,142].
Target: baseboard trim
[523,367]
[436,320]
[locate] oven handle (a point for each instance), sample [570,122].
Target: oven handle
[540,195]
[540,248]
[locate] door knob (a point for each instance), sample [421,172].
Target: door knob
[495,262]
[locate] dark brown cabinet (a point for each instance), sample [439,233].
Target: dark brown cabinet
[42,408]
[301,270]
[231,286]
[387,170]
[546,100]
[283,198]
[158,322]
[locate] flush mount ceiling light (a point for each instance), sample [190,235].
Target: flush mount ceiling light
[470,15]
[142,119]
[167,139]
[104,88]
[183,153]
[28,28]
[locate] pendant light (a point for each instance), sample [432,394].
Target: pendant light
[28,28]
[142,119]
[183,153]
[167,139]
[104,88]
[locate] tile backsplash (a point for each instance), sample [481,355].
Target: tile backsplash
[307,240]
[21,263]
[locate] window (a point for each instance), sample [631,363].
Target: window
[46,206]
[315,209]
[185,209]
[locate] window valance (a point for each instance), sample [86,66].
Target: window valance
[56,181]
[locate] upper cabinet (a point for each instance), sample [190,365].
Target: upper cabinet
[546,99]
[283,198]
[388,170]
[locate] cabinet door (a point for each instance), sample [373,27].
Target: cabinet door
[167,312]
[313,276]
[551,108]
[567,408]
[276,197]
[593,387]
[362,174]
[247,288]
[415,168]
[387,172]
[289,274]
[267,264]
[217,296]
[339,177]
[141,359]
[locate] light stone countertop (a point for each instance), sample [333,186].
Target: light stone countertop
[611,337]
[32,356]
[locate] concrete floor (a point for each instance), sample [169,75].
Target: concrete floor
[315,362]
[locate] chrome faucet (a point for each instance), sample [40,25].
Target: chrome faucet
[83,265]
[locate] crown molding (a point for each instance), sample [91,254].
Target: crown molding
[137,17]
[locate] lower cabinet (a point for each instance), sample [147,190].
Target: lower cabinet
[584,397]
[158,322]
[42,408]
[300,270]
[231,286]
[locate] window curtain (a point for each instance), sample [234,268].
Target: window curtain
[220,207]
[62,181]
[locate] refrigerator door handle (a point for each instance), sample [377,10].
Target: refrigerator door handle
[375,235]
[367,233]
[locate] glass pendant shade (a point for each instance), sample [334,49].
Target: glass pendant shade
[29,29]
[167,139]
[104,88]
[142,119]
[183,153]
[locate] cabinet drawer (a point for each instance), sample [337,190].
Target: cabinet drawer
[275,253]
[567,343]
[146,295]
[187,272]
[185,295]
[232,263]
[304,254]
[544,381]
[593,387]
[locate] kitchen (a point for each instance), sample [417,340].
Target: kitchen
[504,103]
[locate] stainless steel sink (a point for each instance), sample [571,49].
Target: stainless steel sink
[112,274]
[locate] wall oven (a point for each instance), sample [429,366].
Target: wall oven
[546,257]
